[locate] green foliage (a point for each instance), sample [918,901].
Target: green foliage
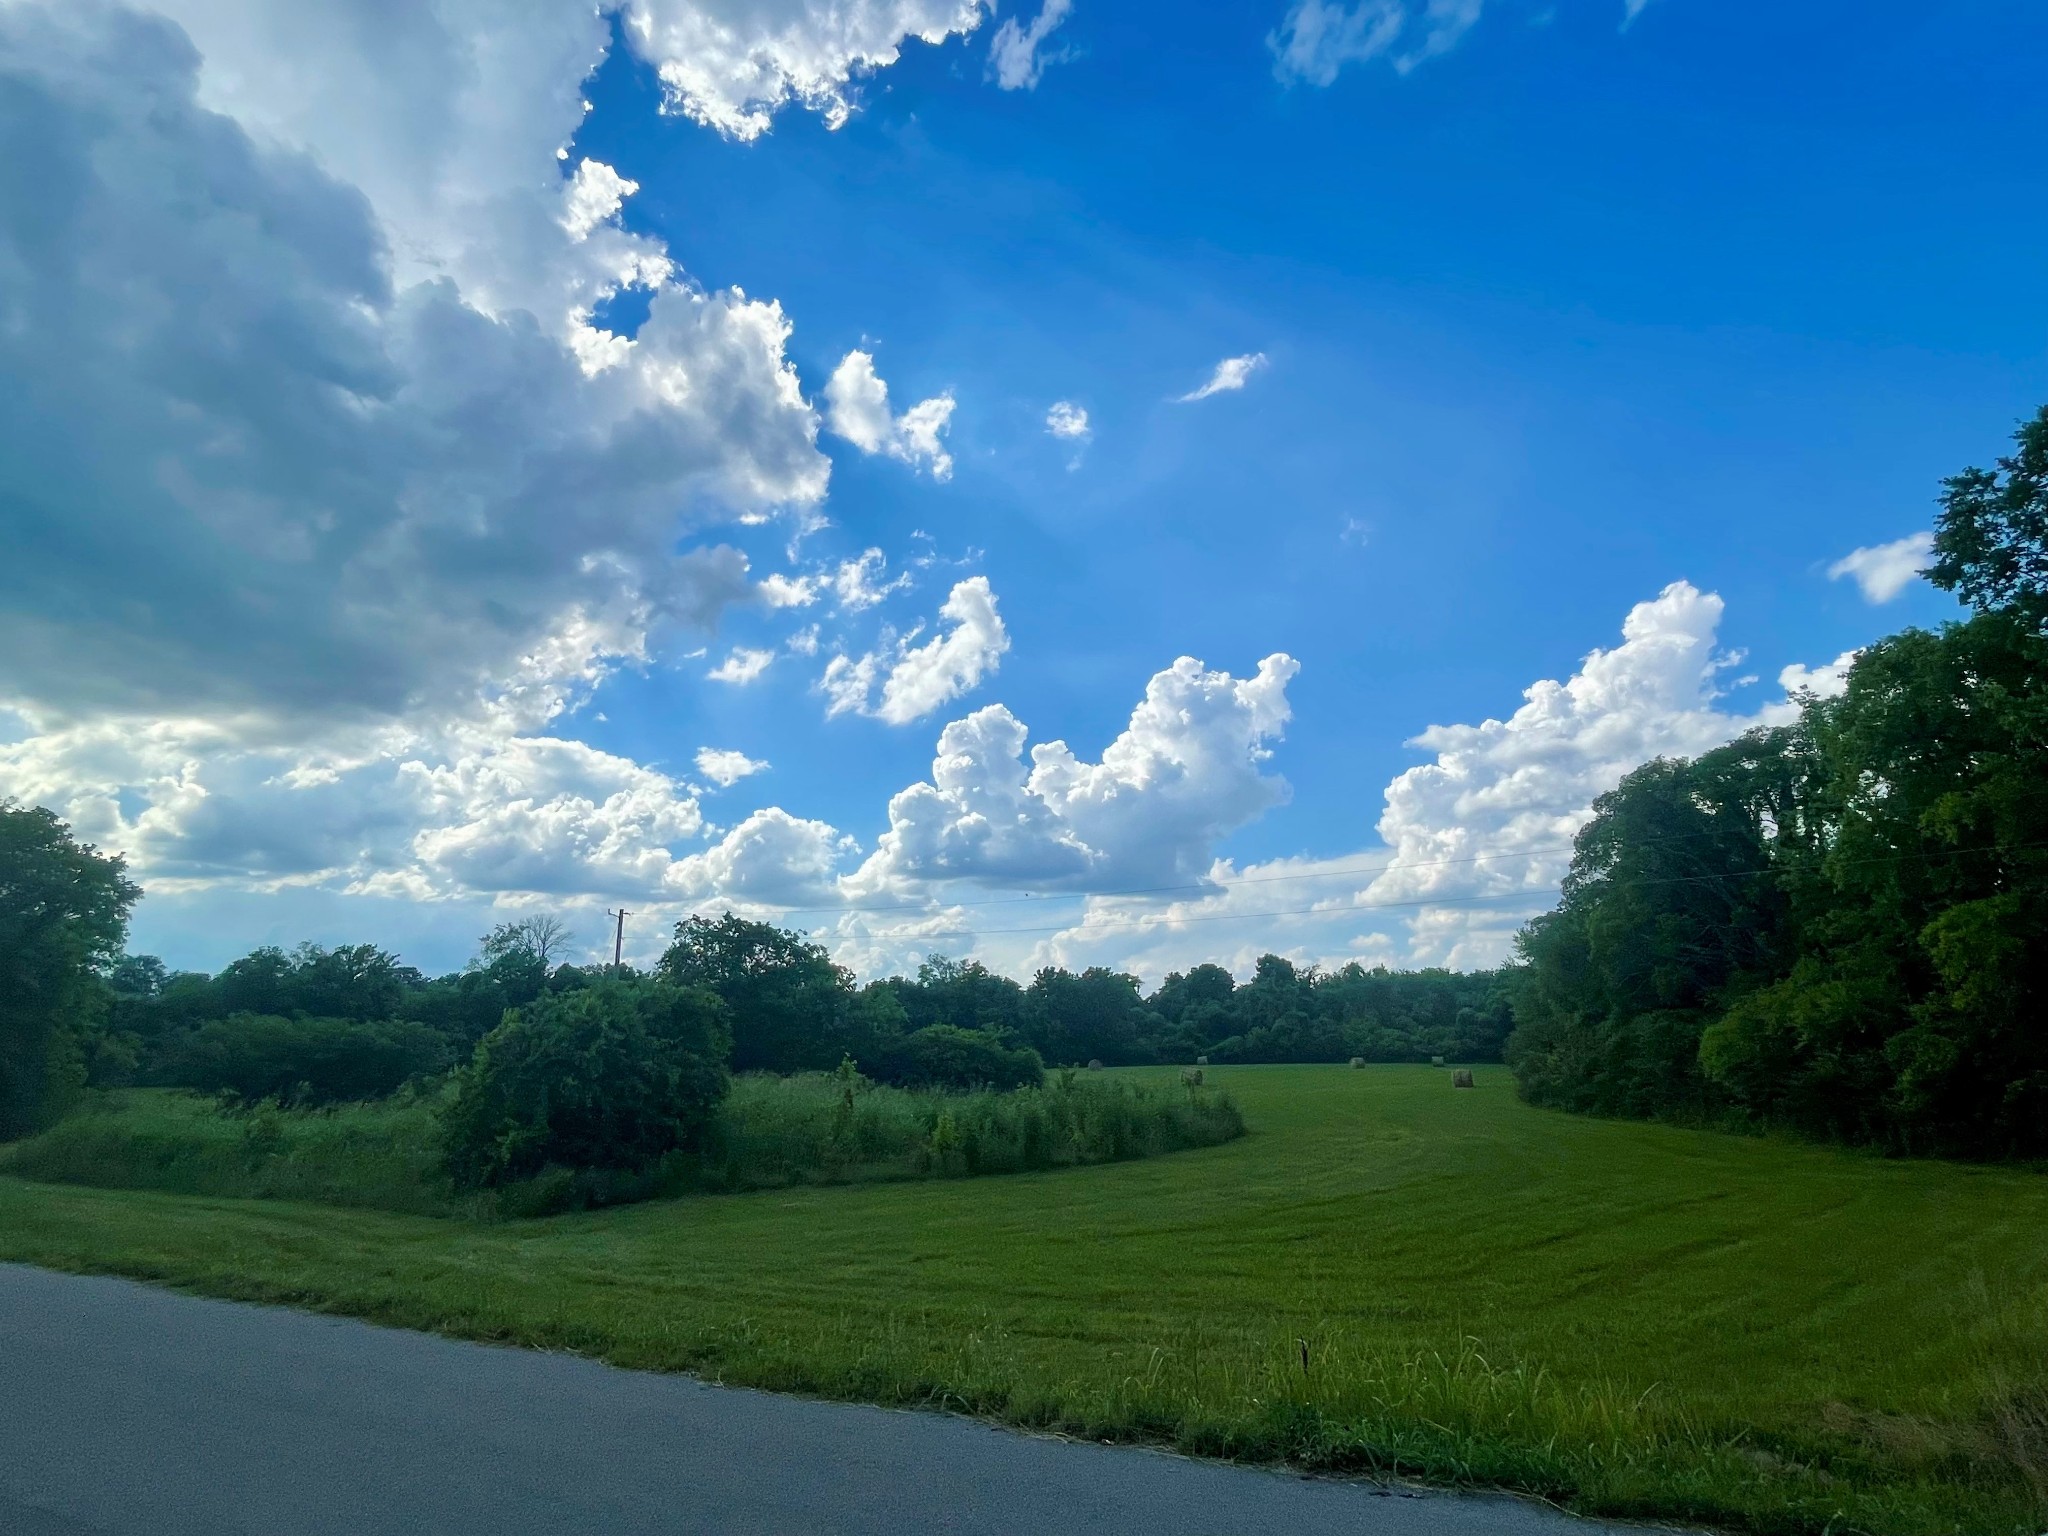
[940,1056]
[63,917]
[609,1077]
[787,1001]
[1991,544]
[1838,926]
[1635,1320]
[302,1060]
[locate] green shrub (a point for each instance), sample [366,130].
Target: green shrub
[302,1061]
[942,1056]
[610,1077]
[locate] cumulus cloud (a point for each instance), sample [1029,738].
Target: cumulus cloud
[1186,770]
[742,665]
[1883,571]
[310,423]
[1014,58]
[1068,420]
[725,767]
[1826,681]
[914,680]
[1472,843]
[859,412]
[730,64]
[1232,373]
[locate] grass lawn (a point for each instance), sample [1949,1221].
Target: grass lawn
[1385,1275]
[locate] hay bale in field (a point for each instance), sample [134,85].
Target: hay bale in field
[1436,1061]
[1358,1061]
[1201,1061]
[1462,1078]
[1095,1065]
[1192,1076]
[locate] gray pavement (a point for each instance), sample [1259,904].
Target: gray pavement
[130,1411]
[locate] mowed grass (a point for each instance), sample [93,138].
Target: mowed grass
[1387,1275]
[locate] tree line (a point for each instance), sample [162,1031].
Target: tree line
[325,1025]
[1839,925]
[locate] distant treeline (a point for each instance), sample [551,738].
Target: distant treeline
[1840,925]
[353,1022]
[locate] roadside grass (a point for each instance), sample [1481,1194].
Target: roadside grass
[768,1133]
[1386,1276]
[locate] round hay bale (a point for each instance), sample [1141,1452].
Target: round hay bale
[1201,1061]
[1358,1061]
[1192,1076]
[1436,1061]
[1462,1078]
[1095,1065]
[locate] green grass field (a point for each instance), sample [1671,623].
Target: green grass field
[1386,1275]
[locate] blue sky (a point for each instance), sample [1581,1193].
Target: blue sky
[1554,307]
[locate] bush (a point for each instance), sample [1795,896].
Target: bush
[941,1056]
[610,1077]
[302,1061]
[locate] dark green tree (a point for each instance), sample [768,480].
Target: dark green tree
[63,919]
[787,1002]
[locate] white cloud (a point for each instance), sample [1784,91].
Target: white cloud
[781,590]
[1317,38]
[1474,842]
[314,430]
[593,197]
[1231,373]
[857,583]
[859,412]
[725,767]
[742,666]
[1826,681]
[1184,772]
[730,64]
[853,584]
[1068,420]
[1883,571]
[1014,59]
[916,679]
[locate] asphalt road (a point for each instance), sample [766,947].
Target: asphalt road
[129,1411]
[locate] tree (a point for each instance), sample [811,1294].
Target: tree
[612,1076]
[786,1000]
[541,937]
[63,918]
[1991,539]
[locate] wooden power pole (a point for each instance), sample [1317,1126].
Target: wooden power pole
[619,935]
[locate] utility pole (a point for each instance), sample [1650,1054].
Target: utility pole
[619,936]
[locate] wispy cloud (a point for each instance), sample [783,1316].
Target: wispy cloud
[1231,373]
[1883,570]
[1014,59]
[743,666]
[1068,420]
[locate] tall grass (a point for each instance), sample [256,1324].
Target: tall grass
[822,1129]
[771,1132]
[382,1156]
